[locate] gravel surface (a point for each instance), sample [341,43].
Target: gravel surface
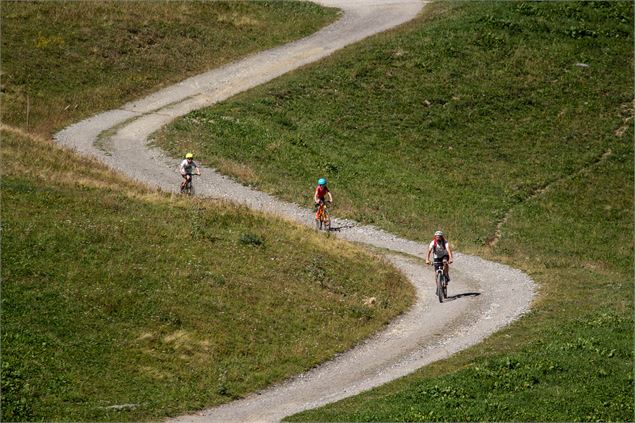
[484,296]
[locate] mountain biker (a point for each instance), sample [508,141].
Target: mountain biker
[321,191]
[442,253]
[187,165]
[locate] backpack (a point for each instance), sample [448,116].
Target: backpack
[439,249]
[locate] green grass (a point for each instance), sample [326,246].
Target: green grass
[64,61]
[570,359]
[456,120]
[475,115]
[113,294]
[548,380]
[426,115]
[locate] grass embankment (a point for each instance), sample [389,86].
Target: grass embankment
[478,117]
[120,303]
[65,61]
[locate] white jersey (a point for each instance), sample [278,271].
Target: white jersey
[186,167]
[441,250]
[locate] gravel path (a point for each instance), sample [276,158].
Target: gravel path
[484,296]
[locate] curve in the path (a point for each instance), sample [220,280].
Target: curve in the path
[430,331]
[487,295]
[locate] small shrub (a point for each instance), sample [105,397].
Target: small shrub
[251,239]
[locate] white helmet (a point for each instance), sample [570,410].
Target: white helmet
[438,233]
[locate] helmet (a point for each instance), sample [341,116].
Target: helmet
[438,233]
[322,181]
[189,156]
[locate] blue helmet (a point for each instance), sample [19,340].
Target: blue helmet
[322,181]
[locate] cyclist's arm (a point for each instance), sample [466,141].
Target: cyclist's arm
[428,256]
[198,169]
[449,252]
[330,197]
[315,196]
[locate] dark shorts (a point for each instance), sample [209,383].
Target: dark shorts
[438,262]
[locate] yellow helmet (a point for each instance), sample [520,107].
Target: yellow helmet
[189,156]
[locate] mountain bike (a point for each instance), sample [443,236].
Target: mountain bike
[322,219]
[188,188]
[441,280]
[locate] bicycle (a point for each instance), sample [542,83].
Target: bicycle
[441,280]
[188,187]
[322,219]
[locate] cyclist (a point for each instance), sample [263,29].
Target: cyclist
[187,165]
[321,191]
[442,253]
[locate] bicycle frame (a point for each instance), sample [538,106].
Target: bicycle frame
[322,220]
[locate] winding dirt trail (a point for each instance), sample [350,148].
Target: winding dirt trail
[485,296]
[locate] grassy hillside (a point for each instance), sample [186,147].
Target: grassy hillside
[509,125]
[63,61]
[113,294]
[124,304]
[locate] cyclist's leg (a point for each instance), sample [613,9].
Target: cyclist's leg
[437,264]
[188,181]
[325,217]
[183,182]
[446,268]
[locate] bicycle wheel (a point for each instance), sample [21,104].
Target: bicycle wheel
[439,282]
[187,188]
[445,287]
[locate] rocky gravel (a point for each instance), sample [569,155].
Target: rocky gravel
[484,296]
